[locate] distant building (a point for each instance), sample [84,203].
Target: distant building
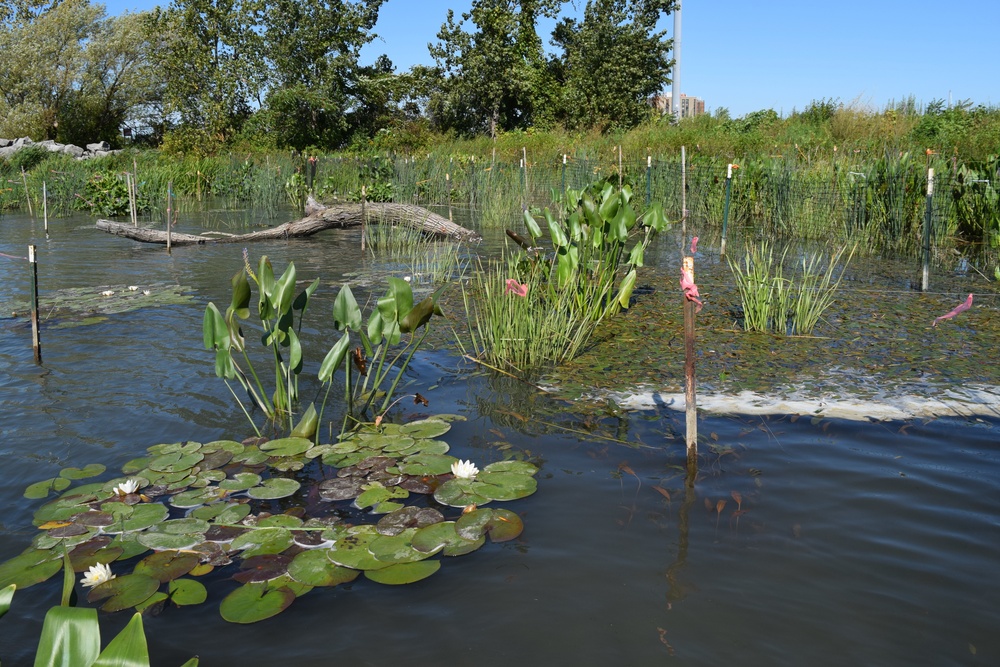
[690,106]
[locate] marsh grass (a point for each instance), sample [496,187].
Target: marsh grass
[786,305]
[426,260]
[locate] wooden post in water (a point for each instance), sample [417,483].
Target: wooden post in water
[45,207]
[725,208]
[690,398]
[27,195]
[364,217]
[170,187]
[649,177]
[925,283]
[619,166]
[36,344]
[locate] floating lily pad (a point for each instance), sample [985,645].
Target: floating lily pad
[280,521]
[397,548]
[505,485]
[443,537]
[274,488]
[166,565]
[185,526]
[341,488]
[92,470]
[261,541]
[377,496]
[396,522]
[143,516]
[234,513]
[63,508]
[352,551]
[167,541]
[241,481]
[29,568]
[130,546]
[251,455]
[404,573]
[215,459]
[313,568]
[426,428]
[519,467]
[95,519]
[124,591]
[263,567]
[153,604]
[460,493]
[92,552]
[135,465]
[224,533]
[426,464]
[298,589]
[254,602]
[185,592]
[175,462]
[286,446]
[287,464]
[46,486]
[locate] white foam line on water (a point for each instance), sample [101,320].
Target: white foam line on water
[966,401]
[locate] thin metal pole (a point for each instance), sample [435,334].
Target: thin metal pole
[364,217]
[926,282]
[675,91]
[649,178]
[564,174]
[27,195]
[619,166]
[36,343]
[45,207]
[170,187]
[684,216]
[725,208]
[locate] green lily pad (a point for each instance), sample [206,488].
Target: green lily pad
[287,464]
[443,537]
[261,541]
[185,592]
[45,487]
[426,428]
[519,467]
[29,568]
[124,592]
[135,465]
[286,446]
[504,526]
[397,548]
[143,516]
[505,485]
[130,546]
[233,514]
[215,459]
[153,604]
[274,488]
[63,508]
[175,462]
[426,464]
[250,456]
[241,481]
[404,573]
[352,551]
[254,602]
[376,495]
[230,446]
[280,521]
[341,488]
[460,493]
[168,541]
[92,470]
[185,526]
[166,566]
[92,552]
[285,582]
[313,568]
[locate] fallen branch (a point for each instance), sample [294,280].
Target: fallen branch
[340,216]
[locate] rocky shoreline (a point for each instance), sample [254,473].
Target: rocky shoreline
[10,146]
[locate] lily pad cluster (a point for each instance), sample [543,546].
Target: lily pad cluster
[286,514]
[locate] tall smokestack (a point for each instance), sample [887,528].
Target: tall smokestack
[675,95]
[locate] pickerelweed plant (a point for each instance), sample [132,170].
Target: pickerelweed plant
[561,297]
[379,361]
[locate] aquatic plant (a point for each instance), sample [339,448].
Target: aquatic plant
[533,308]
[72,635]
[272,512]
[773,302]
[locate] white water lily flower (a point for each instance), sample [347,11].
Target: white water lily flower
[97,574]
[133,288]
[108,292]
[146,292]
[126,487]
[464,469]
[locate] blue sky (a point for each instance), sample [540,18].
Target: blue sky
[747,55]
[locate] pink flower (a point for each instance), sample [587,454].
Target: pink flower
[955,311]
[514,287]
[690,289]
[694,245]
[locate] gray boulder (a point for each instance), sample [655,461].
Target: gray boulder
[23,141]
[7,151]
[5,142]
[99,146]
[70,149]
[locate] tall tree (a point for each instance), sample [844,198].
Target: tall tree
[491,77]
[611,62]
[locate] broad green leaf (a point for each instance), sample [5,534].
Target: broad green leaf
[124,591]
[533,229]
[213,328]
[284,290]
[291,446]
[654,217]
[254,602]
[625,289]
[265,281]
[294,352]
[559,239]
[313,568]
[418,316]
[307,425]
[185,592]
[41,489]
[334,358]
[346,313]
[402,293]
[274,488]
[404,573]
[128,648]
[70,636]
[302,300]
[92,470]
[6,595]
[240,304]
[635,257]
[29,568]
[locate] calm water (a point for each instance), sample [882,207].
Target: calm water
[855,543]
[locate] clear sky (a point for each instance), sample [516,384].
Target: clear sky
[747,55]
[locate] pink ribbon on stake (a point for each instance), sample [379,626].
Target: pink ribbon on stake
[954,311]
[690,289]
[514,287]
[694,245]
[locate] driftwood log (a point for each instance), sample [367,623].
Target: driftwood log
[339,216]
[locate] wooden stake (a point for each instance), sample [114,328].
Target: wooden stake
[690,399]
[45,207]
[36,343]
[364,217]
[27,196]
[170,187]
